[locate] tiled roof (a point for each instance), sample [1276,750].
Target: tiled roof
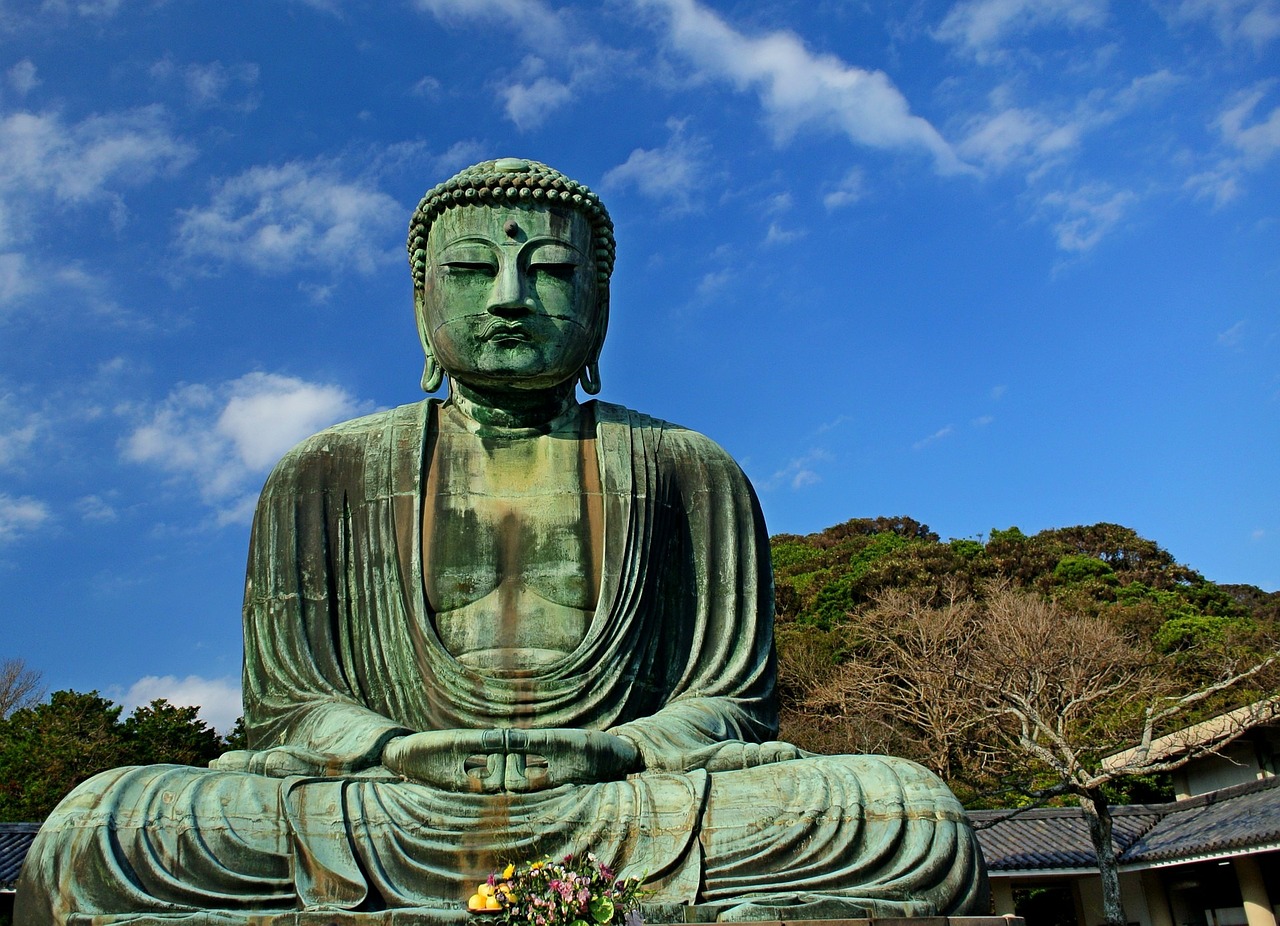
[15,840]
[1234,818]
[1241,817]
[1056,837]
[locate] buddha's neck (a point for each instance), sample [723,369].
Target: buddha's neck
[537,411]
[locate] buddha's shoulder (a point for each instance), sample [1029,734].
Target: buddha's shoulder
[673,443]
[356,438]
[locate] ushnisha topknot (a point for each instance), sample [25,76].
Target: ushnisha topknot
[511,180]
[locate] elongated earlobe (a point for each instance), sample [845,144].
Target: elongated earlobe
[432,374]
[589,378]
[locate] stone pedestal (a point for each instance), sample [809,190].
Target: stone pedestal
[417,918]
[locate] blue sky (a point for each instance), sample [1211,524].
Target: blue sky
[980,262]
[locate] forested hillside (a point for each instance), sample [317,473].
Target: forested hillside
[891,640]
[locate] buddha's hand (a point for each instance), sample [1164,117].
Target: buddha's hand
[492,761]
[732,756]
[279,762]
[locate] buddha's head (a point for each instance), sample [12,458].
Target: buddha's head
[511,263]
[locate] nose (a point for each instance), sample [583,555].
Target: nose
[511,296]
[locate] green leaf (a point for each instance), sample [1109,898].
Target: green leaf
[601,909]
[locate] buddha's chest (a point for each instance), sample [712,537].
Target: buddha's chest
[511,547]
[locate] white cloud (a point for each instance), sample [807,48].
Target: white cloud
[983,420]
[20,515]
[1233,336]
[1020,136]
[218,698]
[22,77]
[532,93]
[713,281]
[210,84]
[1086,214]
[851,188]
[979,26]
[1257,139]
[225,437]
[17,432]
[16,279]
[797,87]
[102,9]
[532,19]
[671,175]
[799,472]
[1250,143]
[777,235]
[278,218]
[940,434]
[42,156]
[1256,22]
[529,104]
[95,508]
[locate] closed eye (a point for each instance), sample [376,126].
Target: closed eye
[469,266]
[561,271]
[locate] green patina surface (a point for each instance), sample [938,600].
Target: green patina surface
[506,625]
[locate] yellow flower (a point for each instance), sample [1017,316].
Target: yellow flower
[536,865]
[508,871]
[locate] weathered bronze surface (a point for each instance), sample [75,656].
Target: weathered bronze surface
[499,627]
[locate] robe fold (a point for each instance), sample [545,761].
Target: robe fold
[341,655]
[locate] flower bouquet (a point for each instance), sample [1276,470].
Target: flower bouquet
[578,891]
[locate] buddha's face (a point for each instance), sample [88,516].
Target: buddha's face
[509,299]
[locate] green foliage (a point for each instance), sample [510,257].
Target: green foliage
[1198,632]
[827,582]
[967,549]
[1075,567]
[48,749]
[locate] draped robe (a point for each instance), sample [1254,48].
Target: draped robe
[341,656]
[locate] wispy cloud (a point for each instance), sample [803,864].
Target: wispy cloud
[541,25]
[22,77]
[980,27]
[49,161]
[280,217]
[223,438]
[850,189]
[940,434]
[799,472]
[211,84]
[671,175]
[1255,22]
[18,431]
[777,235]
[218,698]
[1084,215]
[21,515]
[568,60]
[1014,135]
[1248,142]
[1233,336]
[800,88]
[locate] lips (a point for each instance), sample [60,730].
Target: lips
[505,331]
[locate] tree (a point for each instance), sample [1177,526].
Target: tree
[906,654]
[161,732]
[1009,695]
[19,686]
[47,749]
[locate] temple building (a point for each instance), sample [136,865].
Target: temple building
[1209,858]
